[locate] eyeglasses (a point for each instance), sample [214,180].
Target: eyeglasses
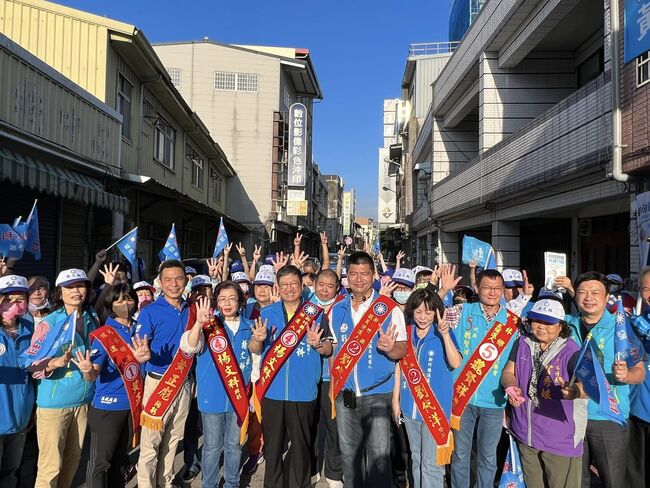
[224,300]
[491,288]
[293,284]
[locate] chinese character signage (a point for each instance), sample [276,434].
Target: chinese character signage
[297,208]
[296,174]
[637,28]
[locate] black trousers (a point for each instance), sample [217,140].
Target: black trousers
[323,421]
[638,454]
[110,443]
[295,419]
[606,447]
[11,453]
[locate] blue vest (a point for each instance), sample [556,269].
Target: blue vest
[373,366]
[66,387]
[602,339]
[430,351]
[211,394]
[640,394]
[16,385]
[297,380]
[471,330]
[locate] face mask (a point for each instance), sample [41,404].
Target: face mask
[37,308]
[401,296]
[420,286]
[244,287]
[122,311]
[10,311]
[311,289]
[325,303]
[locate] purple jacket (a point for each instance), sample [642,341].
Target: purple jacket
[558,426]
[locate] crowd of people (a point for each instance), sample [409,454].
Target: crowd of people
[411,377]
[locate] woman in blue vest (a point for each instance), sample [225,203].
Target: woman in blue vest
[62,393]
[221,433]
[16,387]
[438,355]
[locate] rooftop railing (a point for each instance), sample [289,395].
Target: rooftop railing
[429,48]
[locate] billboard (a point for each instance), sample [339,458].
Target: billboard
[297,159]
[387,196]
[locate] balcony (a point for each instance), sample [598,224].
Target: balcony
[431,48]
[567,142]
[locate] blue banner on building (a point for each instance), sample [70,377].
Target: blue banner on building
[637,28]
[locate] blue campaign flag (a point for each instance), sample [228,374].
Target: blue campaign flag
[637,29]
[60,335]
[222,240]
[479,251]
[33,237]
[128,245]
[590,373]
[171,250]
[627,345]
[512,475]
[12,244]
[376,246]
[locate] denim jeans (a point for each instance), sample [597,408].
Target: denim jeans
[220,434]
[365,430]
[426,472]
[488,422]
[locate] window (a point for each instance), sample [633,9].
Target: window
[590,68]
[244,82]
[287,98]
[124,104]
[175,75]
[642,73]
[165,140]
[197,172]
[215,185]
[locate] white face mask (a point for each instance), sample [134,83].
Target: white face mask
[37,308]
[401,296]
[325,303]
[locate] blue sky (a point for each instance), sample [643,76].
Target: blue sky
[359,50]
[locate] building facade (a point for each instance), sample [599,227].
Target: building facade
[349,208]
[463,13]
[244,94]
[388,169]
[334,223]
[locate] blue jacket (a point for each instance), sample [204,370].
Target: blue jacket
[297,380]
[211,393]
[16,385]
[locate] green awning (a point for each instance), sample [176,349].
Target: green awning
[56,180]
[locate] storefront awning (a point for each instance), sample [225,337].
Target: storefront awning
[53,179]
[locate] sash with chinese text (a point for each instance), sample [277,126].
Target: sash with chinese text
[223,356]
[479,363]
[432,413]
[281,349]
[170,384]
[359,341]
[121,355]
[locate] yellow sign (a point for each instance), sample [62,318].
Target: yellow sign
[297,207]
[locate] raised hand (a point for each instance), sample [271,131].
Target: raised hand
[388,289]
[297,240]
[101,255]
[341,251]
[260,329]
[324,239]
[528,288]
[435,276]
[387,341]
[140,348]
[241,250]
[60,361]
[108,273]
[226,250]
[4,269]
[448,279]
[398,259]
[275,294]
[314,335]
[443,325]
[83,361]
[280,261]
[300,260]
[214,268]
[257,253]
[472,263]
[203,311]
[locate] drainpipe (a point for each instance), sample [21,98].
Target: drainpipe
[617,148]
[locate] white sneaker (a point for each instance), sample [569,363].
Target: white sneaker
[315,479]
[334,484]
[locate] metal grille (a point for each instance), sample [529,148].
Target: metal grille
[224,81]
[175,75]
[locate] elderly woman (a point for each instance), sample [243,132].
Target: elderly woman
[548,425]
[16,387]
[39,294]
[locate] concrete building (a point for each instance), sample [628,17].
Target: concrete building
[463,13]
[334,224]
[349,209]
[244,94]
[171,169]
[521,134]
[368,228]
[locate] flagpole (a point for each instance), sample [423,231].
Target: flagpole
[31,213]
[118,241]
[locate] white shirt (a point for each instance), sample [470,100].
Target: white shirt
[397,317]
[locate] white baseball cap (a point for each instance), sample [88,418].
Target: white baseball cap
[547,310]
[265,276]
[201,280]
[69,276]
[404,276]
[13,283]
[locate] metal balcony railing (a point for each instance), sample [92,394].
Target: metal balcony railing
[428,48]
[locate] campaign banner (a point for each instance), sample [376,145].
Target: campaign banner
[554,266]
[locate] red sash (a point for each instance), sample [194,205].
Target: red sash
[170,384]
[281,349]
[223,356]
[428,406]
[119,352]
[358,342]
[479,363]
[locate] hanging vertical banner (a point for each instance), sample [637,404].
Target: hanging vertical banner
[642,202]
[297,158]
[637,28]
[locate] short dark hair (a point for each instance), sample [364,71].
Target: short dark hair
[231,285]
[488,273]
[171,263]
[328,272]
[119,266]
[311,263]
[56,298]
[591,276]
[115,293]
[361,257]
[429,298]
[287,270]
